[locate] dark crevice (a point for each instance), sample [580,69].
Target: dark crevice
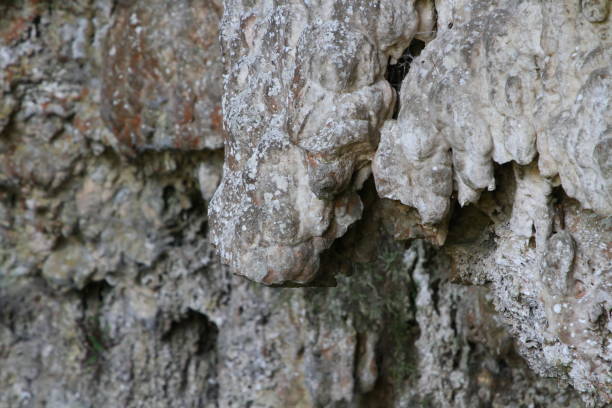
[359,351]
[206,331]
[558,199]
[168,196]
[95,335]
[360,238]
[398,71]
[179,225]
[453,320]
[36,27]
[93,293]
[10,128]
[435,19]
[467,224]
[435,295]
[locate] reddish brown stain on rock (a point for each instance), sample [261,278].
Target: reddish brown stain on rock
[161,76]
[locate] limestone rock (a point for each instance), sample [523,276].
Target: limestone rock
[304,99]
[528,83]
[112,294]
[502,82]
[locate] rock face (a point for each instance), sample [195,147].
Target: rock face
[472,269]
[305,96]
[519,82]
[527,83]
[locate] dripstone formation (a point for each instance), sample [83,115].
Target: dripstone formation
[442,168]
[526,85]
[305,97]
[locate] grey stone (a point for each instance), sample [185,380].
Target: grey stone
[113,294]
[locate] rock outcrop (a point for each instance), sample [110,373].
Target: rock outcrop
[519,81]
[472,269]
[305,96]
[527,83]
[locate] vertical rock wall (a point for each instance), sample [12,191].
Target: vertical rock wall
[526,83]
[111,291]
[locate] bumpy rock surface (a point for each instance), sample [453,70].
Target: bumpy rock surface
[528,83]
[305,96]
[518,81]
[111,292]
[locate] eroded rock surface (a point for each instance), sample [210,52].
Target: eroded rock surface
[111,293]
[518,81]
[305,96]
[547,263]
[528,83]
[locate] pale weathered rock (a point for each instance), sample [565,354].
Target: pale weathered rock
[305,96]
[497,85]
[526,82]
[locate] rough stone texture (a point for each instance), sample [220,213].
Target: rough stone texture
[500,83]
[111,293]
[161,71]
[547,263]
[528,83]
[304,98]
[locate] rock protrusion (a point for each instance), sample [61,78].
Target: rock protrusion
[305,98]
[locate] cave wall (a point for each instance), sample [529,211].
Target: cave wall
[434,177]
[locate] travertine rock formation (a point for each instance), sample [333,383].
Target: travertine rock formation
[305,96]
[112,294]
[518,81]
[527,82]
